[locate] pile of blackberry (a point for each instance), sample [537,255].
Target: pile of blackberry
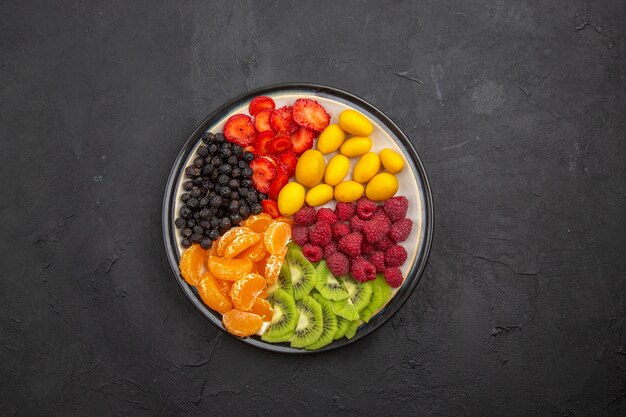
[218,191]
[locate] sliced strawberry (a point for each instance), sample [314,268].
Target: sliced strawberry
[262,120]
[249,149]
[279,144]
[290,161]
[239,129]
[277,184]
[310,114]
[302,140]
[281,120]
[270,207]
[261,142]
[261,103]
[263,172]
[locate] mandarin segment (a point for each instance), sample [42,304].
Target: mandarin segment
[276,237]
[263,308]
[255,252]
[225,286]
[212,295]
[192,264]
[229,269]
[241,323]
[273,265]
[226,239]
[245,291]
[241,243]
[287,220]
[257,222]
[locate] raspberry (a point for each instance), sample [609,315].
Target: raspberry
[330,249]
[305,216]
[401,230]
[300,235]
[365,208]
[393,276]
[312,252]
[320,234]
[376,228]
[351,244]
[356,223]
[326,214]
[340,229]
[338,264]
[395,256]
[383,244]
[396,208]
[363,271]
[366,248]
[344,210]
[378,260]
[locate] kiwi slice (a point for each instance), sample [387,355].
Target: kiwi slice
[358,299]
[284,319]
[374,304]
[354,325]
[329,326]
[284,281]
[384,287]
[302,273]
[310,324]
[327,284]
[342,327]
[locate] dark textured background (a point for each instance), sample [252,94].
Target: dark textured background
[518,109]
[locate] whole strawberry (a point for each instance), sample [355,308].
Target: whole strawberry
[351,244]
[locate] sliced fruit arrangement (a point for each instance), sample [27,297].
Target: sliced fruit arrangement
[258,250]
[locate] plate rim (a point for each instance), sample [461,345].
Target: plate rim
[415,272]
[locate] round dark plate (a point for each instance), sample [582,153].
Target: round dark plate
[422,216]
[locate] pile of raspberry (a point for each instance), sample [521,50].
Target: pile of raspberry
[358,238]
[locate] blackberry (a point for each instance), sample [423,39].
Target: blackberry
[180,222]
[205,213]
[195,192]
[186,232]
[185,243]
[206,244]
[225,169]
[188,185]
[246,172]
[193,203]
[256,208]
[223,179]
[202,151]
[196,238]
[185,212]
[248,156]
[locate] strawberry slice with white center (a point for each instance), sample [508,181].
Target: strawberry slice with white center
[262,121]
[302,140]
[310,114]
[279,144]
[239,129]
[281,120]
[263,172]
[261,103]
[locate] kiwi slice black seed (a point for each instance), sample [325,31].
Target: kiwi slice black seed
[329,327]
[328,286]
[359,298]
[284,319]
[310,324]
[342,327]
[284,281]
[302,273]
[352,328]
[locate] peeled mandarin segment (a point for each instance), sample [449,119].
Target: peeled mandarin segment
[272,267]
[229,269]
[212,295]
[192,264]
[255,252]
[263,293]
[287,220]
[246,290]
[241,243]
[229,236]
[276,237]
[225,287]
[241,323]
[263,308]
[257,222]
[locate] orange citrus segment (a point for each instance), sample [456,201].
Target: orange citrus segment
[211,294]
[263,308]
[241,243]
[284,220]
[263,293]
[273,265]
[228,237]
[255,252]
[225,287]
[276,236]
[241,323]
[192,264]
[229,269]
[246,290]
[257,222]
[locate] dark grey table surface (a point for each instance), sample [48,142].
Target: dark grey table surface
[518,109]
